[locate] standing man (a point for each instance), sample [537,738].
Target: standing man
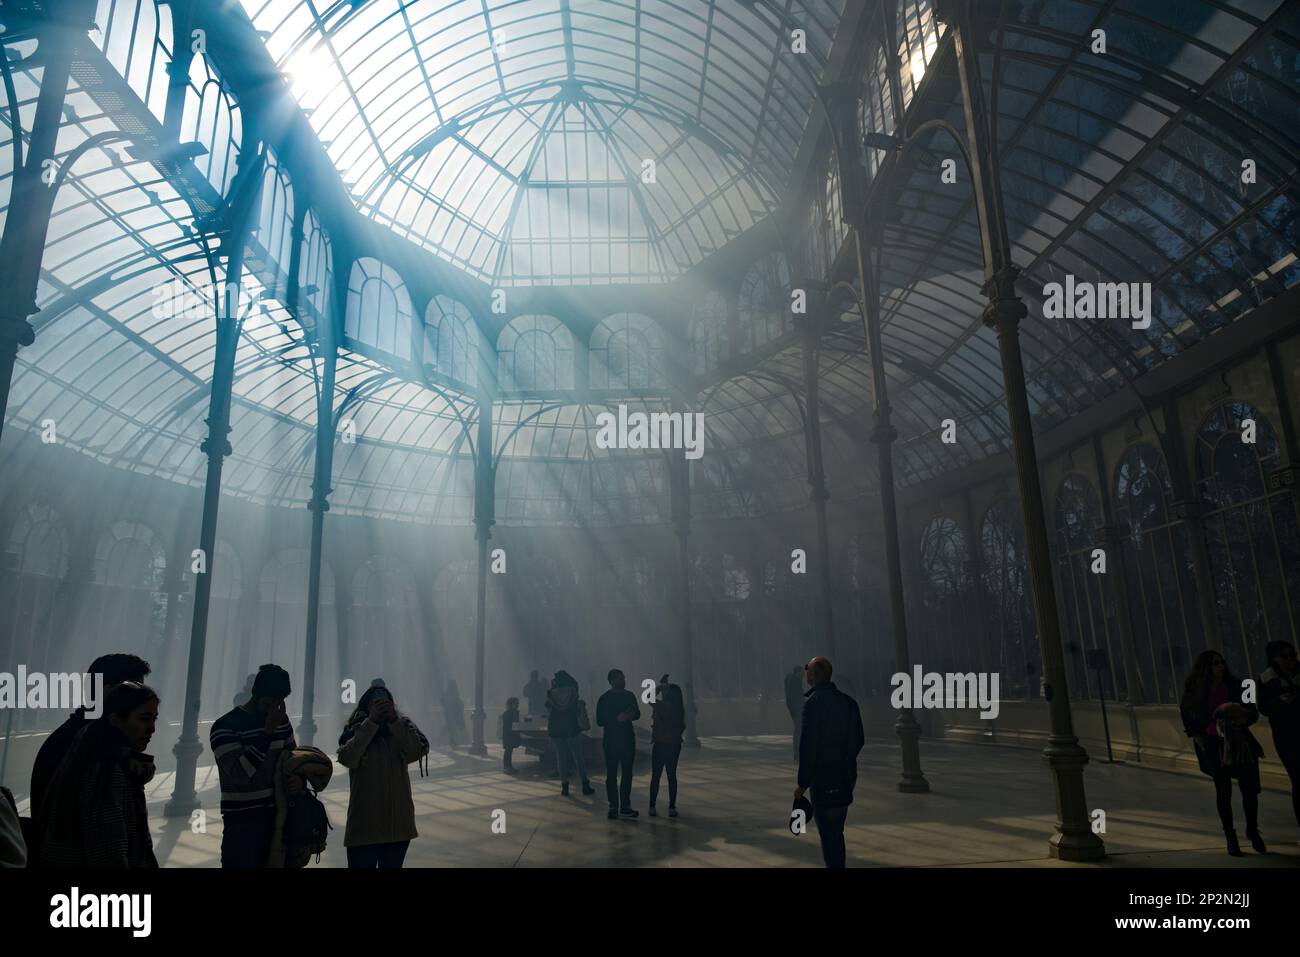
[615,712]
[246,743]
[794,701]
[116,669]
[829,741]
[535,692]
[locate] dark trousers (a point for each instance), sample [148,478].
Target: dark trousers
[663,757]
[1223,800]
[246,837]
[619,792]
[1289,753]
[370,856]
[830,831]
[510,750]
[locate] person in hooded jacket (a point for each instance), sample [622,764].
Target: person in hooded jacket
[95,815]
[376,746]
[563,708]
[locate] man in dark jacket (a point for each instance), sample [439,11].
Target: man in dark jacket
[116,669]
[829,741]
[615,712]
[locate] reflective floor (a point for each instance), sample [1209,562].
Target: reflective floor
[989,806]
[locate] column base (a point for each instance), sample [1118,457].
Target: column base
[478,747]
[306,732]
[181,806]
[1074,839]
[909,735]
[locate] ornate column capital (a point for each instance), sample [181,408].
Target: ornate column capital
[1005,310]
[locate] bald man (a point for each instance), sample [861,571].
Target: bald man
[829,741]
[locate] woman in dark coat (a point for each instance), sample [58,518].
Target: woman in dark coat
[668,724]
[1279,698]
[95,815]
[563,719]
[1217,721]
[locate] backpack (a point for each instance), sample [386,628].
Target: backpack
[306,827]
[584,720]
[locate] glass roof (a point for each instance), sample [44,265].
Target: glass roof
[555,142]
[1124,168]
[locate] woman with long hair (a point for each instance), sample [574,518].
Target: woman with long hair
[376,746]
[667,725]
[1279,698]
[95,813]
[1218,722]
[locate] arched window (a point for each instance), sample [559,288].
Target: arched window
[876,108]
[535,353]
[386,632]
[941,602]
[223,671]
[764,305]
[1250,533]
[280,624]
[136,37]
[212,119]
[1162,591]
[130,570]
[315,273]
[451,340]
[38,543]
[720,588]
[918,33]
[379,310]
[275,223]
[1083,602]
[708,332]
[35,562]
[1006,582]
[627,353]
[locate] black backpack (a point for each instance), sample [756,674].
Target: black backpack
[306,828]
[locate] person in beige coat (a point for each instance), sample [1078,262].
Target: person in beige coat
[376,747]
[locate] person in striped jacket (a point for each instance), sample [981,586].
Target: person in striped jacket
[246,743]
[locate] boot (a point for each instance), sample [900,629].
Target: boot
[1256,841]
[564,789]
[1233,847]
[587,789]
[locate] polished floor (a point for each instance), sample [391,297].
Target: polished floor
[989,806]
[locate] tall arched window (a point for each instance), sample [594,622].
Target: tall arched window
[315,273]
[764,305]
[720,587]
[451,340]
[130,572]
[535,353]
[876,108]
[386,628]
[1250,533]
[1006,582]
[627,353]
[212,119]
[36,561]
[279,633]
[918,33]
[708,332]
[275,223]
[223,670]
[1162,591]
[1083,602]
[136,37]
[379,310]
[941,599]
